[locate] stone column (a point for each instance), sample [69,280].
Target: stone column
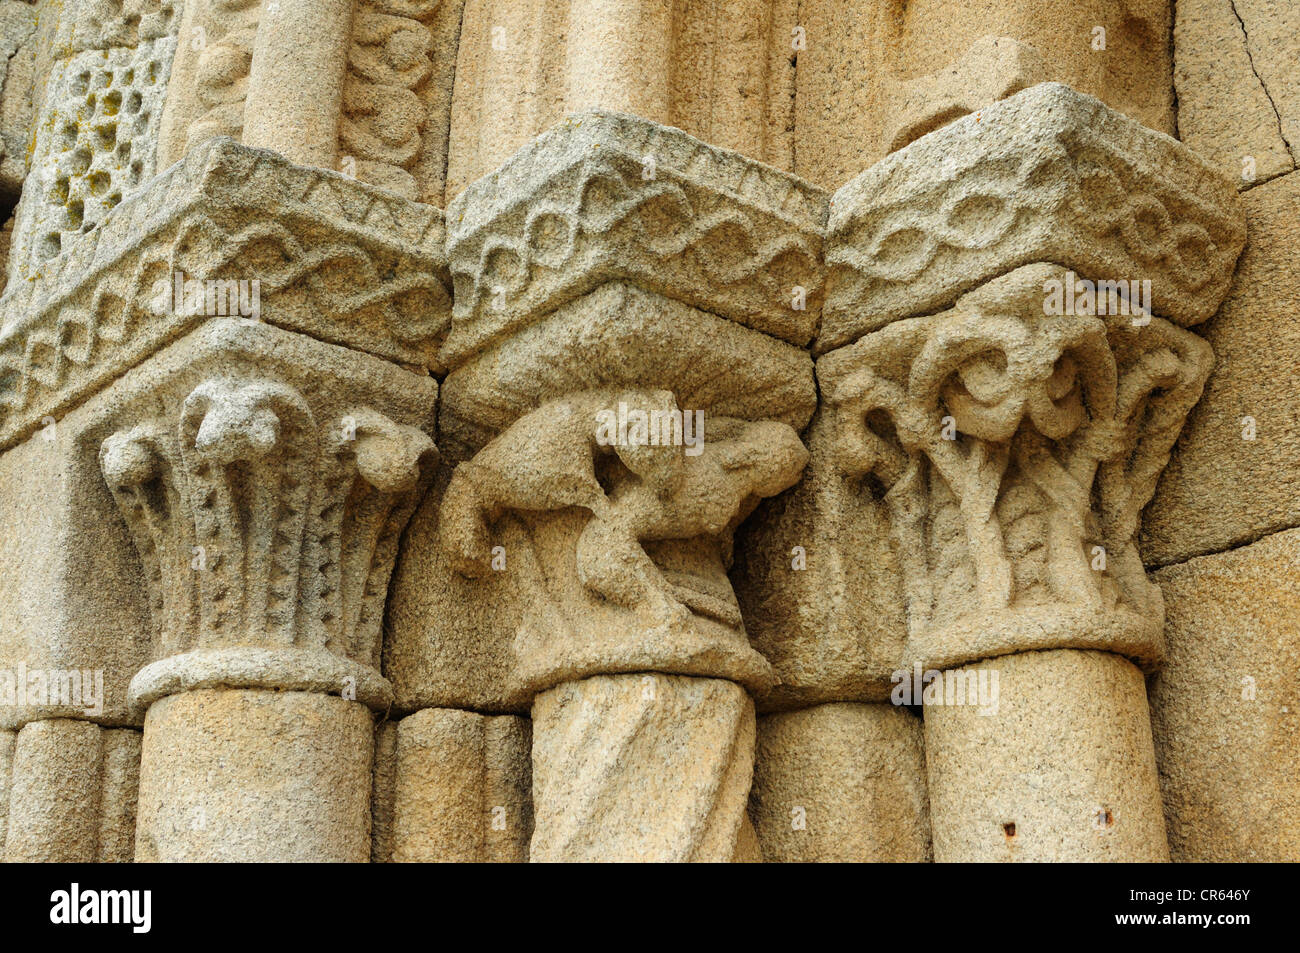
[619,56]
[265,479]
[600,297]
[878,74]
[69,788]
[1012,437]
[453,786]
[295,79]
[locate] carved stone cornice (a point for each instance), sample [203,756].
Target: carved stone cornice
[265,479]
[608,197]
[1048,175]
[623,336]
[1014,451]
[336,259]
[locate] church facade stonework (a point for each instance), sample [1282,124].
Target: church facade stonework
[649,430]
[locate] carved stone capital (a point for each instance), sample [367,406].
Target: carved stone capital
[226,229]
[265,479]
[1047,175]
[615,543]
[607,197]
[1014,451]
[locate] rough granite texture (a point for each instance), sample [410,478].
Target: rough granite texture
[1225,709]
[841,783]
[1036,780]
[648,430]
[1235,475]
[250,775]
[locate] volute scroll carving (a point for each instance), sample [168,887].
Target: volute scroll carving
[1014,451]
[266,513]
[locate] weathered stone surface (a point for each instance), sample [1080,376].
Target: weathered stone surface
[103,577]
[841,783]
[1048,175]
[1235,475]
[641,768]
[1272,29]
[369,95]
[209,80]
[621,336]
[260,239]
[721,71]
[17,77]
[1013,442]
[1013,451]
[1039,778]
[991,70]
[295,79]
[69,792]
[54,796]
[605,197]
[199,514]
[450,637]
[601,601]
[1225,708]
[265,479]
[382,792]
[119,795]
[819,584]
[7,741]
[462,788]
[1225,113]
[860,54]
[70,596]
[397,95]
[95,142]
[246,775]
[537,620]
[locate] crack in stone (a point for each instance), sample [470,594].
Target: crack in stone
[1232,5]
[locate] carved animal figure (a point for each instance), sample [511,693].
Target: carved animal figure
[552,459]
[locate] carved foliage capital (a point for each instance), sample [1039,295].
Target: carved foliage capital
[1014,451]
[266,511]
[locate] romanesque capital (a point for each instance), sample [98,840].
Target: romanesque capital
[1047,175]
[1014,450]
[265,479]
[230,232]
[1008,367]
[627,382]
[620,393]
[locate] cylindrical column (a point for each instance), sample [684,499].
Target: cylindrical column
[1055,763]
[641,768]
[841,782]
[54,795]
[295,80]
[254,775]
[460,789]
[619,54]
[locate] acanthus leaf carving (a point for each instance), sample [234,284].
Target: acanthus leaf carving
[259,523]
